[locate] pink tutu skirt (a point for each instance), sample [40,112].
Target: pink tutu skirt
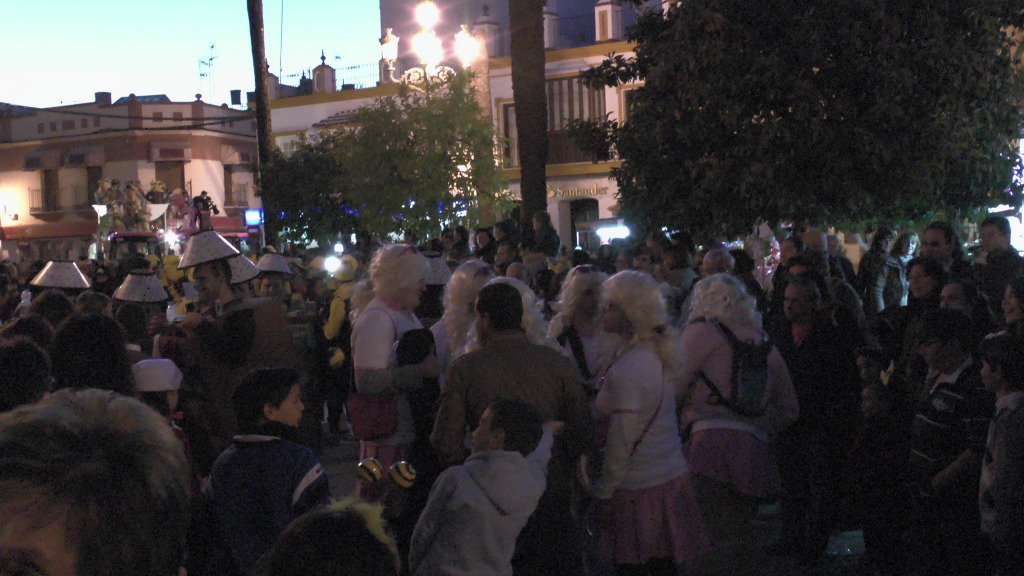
[658,522]
[735,457]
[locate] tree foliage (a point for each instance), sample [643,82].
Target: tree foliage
[837,112]
[417,161]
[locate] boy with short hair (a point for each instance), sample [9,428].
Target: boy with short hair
[476,510]
[264,480]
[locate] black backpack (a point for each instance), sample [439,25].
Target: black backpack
[749,375]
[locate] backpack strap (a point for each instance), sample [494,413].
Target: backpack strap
[571,336]
[716,397]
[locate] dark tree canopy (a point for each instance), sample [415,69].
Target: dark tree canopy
[840,112]
[417,161]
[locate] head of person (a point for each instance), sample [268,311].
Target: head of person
[789,247]
[815,241]
[369,549]
[508,424]
[91,483]
[541,219]
[1002,364]
[809,263]
[520,272]
[461,234]
[881,240]
[272,285]
[723,297]
[53,305]
[88,352]
[801,301]
[461,291]
[925,276]
[905,245]
[835,246]
[717,261]
[1013,301]
[643,259]
[624,260]
[447,238]
[483,237]
[93,302]
[131,316]
[581,292]
[213,281]
[24,372]
[31,326]
[876,400]
[506,254]
[157,381]
[399,274]
[632,304]
[870,363]
[268,395]
[946,339]
[941,242]
[961,294]
[995,234]
[676,257]
[743,263]
[499,308]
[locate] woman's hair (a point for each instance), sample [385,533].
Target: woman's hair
[92,302]
[394,268]
[345,538]
[533,323]
[1016,285]
[640,298]
[576,283]
[24,372]
[459,295]
[88,352]
[32,326]
[723,297]
[902,243]
[54,306]
[262,386]
[882,235]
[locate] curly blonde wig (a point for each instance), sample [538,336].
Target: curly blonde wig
[394,268]
[723,297]
[459,296]
[577,282]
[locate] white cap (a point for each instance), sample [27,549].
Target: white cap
[242,269]
[156,375]
[141,286]
[205,246]
[274,263]
[60,274]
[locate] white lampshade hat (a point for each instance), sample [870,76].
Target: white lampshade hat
[61,274]
[156,375]
[274,263]
[141,286]
[205,246]
[242,269]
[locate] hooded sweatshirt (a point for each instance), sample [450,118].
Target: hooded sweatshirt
[476,511]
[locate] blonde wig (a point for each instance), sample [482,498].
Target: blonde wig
[394,268]
[724,297]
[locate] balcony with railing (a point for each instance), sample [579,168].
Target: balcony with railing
[561,150]
[237,196]
[43,201]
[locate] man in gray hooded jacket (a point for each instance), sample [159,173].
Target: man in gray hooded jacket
[477,509]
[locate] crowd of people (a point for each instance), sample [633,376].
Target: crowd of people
[520,408]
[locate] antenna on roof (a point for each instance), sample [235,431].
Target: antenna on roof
[206,71]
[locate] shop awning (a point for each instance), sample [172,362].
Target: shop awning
[50,230]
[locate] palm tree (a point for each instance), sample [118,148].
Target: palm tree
[526,25]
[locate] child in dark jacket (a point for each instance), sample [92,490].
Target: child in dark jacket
[873,480]
[264,480]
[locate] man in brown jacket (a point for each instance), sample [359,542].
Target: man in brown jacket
[511,366]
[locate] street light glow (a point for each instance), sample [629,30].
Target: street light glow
[467,48]
[427,15]
[427,47]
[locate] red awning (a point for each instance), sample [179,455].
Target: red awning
[46,230]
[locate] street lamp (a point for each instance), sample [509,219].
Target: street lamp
[428,49]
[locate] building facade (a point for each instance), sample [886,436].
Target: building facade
[52,161]
[581,193]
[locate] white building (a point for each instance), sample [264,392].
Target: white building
[580,192]
[52,159]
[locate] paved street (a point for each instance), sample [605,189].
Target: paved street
[340,464]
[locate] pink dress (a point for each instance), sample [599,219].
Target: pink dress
[649,509]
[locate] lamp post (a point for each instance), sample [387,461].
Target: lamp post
[429,51]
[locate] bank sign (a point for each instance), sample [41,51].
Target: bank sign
[576,192]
